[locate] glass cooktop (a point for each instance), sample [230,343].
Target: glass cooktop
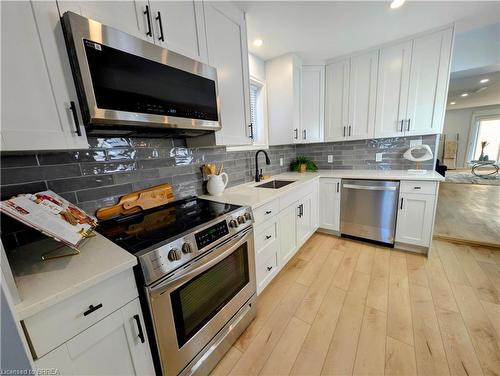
[155,227]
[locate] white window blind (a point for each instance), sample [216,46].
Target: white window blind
[254,94]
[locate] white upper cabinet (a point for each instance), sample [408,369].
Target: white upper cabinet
[337,100]
[312,102]
[227,51]
[362,96]
[180,26]
[392,90]
[36,112]
[128,16]
[429,76]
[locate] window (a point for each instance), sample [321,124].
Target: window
[488,131]
[254,95]
[258,110]
[485,128]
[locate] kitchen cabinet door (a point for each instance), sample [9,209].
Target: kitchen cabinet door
[287,234]
[362,96]
[415,219]
[227,51]
[180,26]
[337,100]
[392,90]
[329,193]
[36,80]
[304,217]
[312,99]
[430,67]
[129,16]
[110,347]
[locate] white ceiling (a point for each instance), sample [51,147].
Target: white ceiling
[318,31]
[485,94]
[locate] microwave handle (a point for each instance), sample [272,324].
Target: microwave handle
[189,272]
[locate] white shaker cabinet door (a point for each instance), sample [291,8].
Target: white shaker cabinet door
[312,103]
[430,70]
[227,52]
[415,219]
[129,16]
[304,219]
[362,96]
[392,90]
[336,100]
[180,26]
[110,347]
[329,197]
[37,84]
[287,231]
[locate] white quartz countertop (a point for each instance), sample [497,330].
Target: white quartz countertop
[44,283]
[248,194]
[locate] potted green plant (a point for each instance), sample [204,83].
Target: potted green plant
[302,164]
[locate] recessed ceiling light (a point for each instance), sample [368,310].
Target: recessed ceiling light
[258,42]
[397,3]
[452,103]
[464,94]
[484,80]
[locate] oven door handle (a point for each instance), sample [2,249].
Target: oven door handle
[185,274]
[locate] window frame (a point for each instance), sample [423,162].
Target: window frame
[477,117]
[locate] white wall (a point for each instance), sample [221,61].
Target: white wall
[476,48]
[459,121]
[257,67]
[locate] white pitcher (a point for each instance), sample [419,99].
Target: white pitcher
[217,183]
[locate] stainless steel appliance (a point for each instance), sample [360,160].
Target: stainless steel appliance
[369,208]
[126,85]
[197,268]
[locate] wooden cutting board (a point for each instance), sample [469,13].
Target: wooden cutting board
[136,201]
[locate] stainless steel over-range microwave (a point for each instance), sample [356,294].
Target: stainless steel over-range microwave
[127,85]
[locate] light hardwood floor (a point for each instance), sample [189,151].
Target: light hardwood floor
[469,212]
[342,307]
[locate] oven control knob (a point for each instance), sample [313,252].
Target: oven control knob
[233,223]
[187,248]
[248,216]
[174,254]
[241,219]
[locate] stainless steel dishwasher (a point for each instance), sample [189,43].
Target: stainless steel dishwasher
[369,208]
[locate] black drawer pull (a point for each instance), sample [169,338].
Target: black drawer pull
[72,107]
[146,12]
[269,268]
[401,206]
[268,212]
[91,309]
[139,328]
[268,237]
[416,187]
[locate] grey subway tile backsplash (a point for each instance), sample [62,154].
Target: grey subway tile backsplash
[114,166]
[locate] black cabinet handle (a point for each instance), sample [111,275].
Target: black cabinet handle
[72,106]
[91,309]
[417,187]
[305,134]
[296,131]
[402,125]
[251,131]
[269,268]
[401,206]
[158,18]
[349,131]
[301,210]
[344,131]
[409,120]
[139,328]
[338,186]
[269,212]
[149,33]
[268,237]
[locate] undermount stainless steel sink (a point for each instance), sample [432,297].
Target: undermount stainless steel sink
[275,184]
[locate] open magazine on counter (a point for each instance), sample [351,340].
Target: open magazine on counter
[52,215]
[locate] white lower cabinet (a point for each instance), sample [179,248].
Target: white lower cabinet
[416,213]
[329,196]
[304,219]
[266,252]
[287,233]
[116,345]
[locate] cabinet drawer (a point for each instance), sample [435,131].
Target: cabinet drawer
[266,270]
[55,325]
[265,234]
[266,211]
[424,187]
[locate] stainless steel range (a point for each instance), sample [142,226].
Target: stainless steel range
[197,265]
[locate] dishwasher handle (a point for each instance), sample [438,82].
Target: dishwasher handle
[369,187]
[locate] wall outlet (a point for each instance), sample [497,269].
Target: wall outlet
[282,162]
[378,157]
[415,142]
[330,159]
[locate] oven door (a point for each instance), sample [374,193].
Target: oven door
[191,306]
